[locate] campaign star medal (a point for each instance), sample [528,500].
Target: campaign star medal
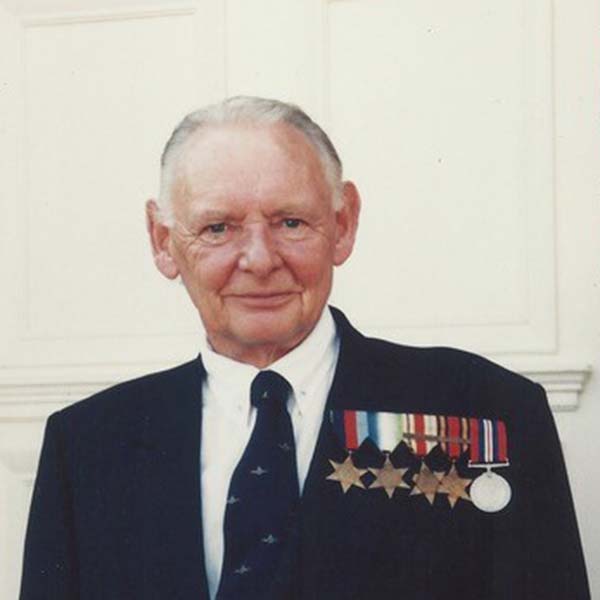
[427,482]
[490,492]
[454,486]
[388,477]
[347,474]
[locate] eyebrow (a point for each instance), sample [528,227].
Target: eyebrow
[291,209]
[210,215]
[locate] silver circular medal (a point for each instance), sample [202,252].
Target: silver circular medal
[490,492]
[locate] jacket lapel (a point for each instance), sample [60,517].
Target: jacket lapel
[340,532]
[173,551]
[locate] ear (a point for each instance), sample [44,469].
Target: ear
[346,223]
[160,237]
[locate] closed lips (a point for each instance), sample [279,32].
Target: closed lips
[262,298]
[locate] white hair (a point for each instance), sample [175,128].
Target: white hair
[244,109]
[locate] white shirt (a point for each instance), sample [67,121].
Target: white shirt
[228,419]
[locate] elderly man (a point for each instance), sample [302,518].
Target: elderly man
[294,458]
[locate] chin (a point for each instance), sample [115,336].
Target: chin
[257,332]
[269,330]
[281,326]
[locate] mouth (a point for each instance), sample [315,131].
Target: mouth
[263,299]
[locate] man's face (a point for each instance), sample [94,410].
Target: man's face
[255,237]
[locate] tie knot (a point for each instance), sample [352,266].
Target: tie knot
[268,387]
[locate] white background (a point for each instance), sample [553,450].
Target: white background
[470,127]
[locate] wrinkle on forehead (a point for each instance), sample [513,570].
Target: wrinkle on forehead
[220,161]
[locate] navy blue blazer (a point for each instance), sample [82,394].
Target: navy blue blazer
[116,509]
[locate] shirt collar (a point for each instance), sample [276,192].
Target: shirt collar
[300,365]
[230,378]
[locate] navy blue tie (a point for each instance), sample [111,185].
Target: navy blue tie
[263,499]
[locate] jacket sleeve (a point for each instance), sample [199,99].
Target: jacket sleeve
[555,563]
[49,564]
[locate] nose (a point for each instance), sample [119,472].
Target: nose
[259,254]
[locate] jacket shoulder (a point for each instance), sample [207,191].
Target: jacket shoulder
[445,358]
[452,373]
[429,379]
[133,397]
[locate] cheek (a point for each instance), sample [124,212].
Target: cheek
[310,263]
[210,269]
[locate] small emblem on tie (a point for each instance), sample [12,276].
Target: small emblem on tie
[232,500]
[242,570]
[285,447]
[270,539]
[259,471]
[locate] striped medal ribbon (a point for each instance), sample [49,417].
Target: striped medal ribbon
[422,433]
[489,492]
[454,435]
[352,427]
[419,431]
[488,443]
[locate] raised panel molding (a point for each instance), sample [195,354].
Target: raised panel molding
[73,11]
[95,16]
[465,229]
[28,397]
[27,339]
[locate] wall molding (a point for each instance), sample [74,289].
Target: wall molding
[528,323]
[95,16]
[30,394]
[564,386]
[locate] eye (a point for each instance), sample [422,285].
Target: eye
[293,229]
[292,223]
[217,228]
[215,233]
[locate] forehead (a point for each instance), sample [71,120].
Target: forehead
[249,159]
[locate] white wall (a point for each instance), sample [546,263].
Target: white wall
[470,127]
[577,77]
